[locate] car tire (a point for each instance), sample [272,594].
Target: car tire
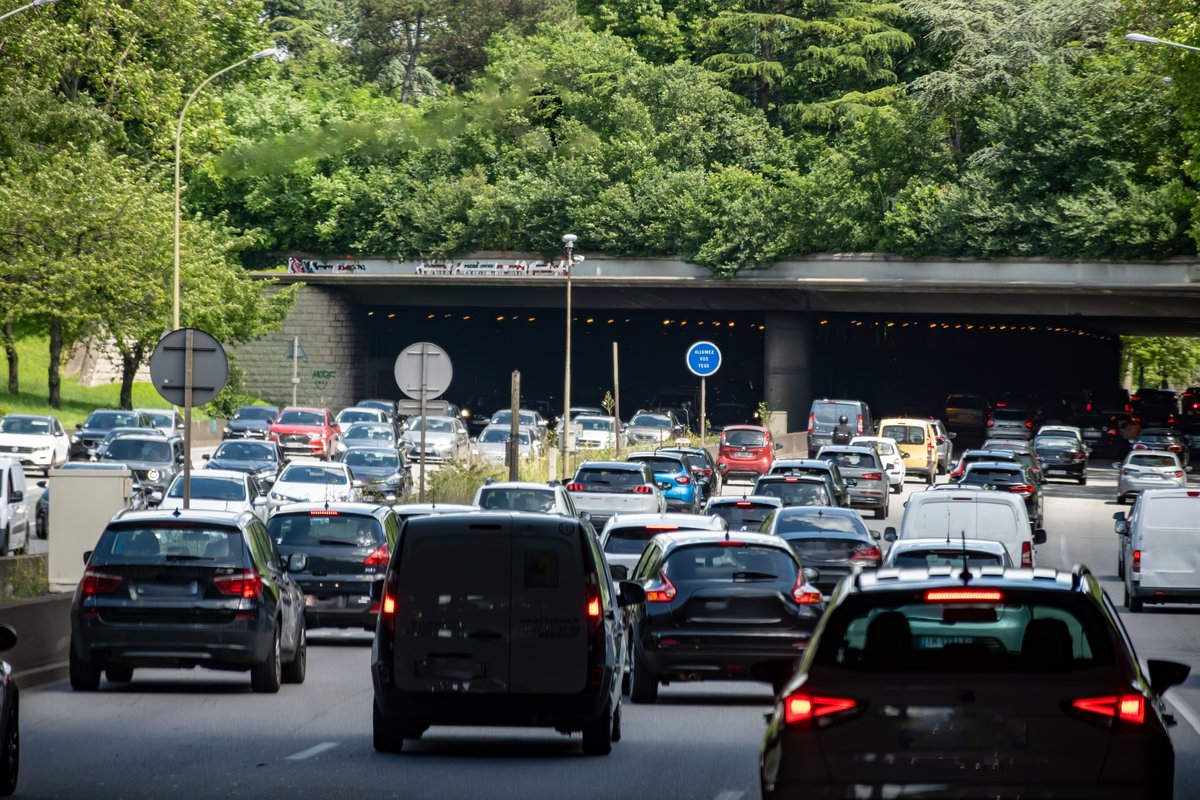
[881,513]
[597,734]
[899,487]
[268,676]
[1120,499]
[10,751]
[930,477]
[385,735]
[294,670]
[643,684]
[1121,569]
[616,726]
[84,675]
[1083,481]
[118,674]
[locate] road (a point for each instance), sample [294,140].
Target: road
[202,734]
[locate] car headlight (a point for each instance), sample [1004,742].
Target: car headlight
[394,479]
[152,475]
[227,430]
[75,438]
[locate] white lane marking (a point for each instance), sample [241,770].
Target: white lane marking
[1062,550]
[1186,712]
[315,750]
[729,794]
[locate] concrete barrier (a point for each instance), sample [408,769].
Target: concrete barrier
[43,626]
[208,431]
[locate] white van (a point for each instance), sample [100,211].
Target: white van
[998,516]
[14,507]
[1162,552]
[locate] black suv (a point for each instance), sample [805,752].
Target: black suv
[1001,683]
[90,433]
[187,589]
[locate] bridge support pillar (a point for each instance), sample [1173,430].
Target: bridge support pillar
[788,365]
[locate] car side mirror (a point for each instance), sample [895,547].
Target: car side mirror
[41,484]
[630,593]
[779,445]
[889,534]
[1039,536]
[941,440]
[1165,674]
[1116,465]
[205,457]
[1188,468]
[1121,527]
[811,574]
[1119,515]
[8,638]
[876,535]
[584,515]
[155,497]
[296,562]
[78,426]
[619,571]
[16,496]
[87,556]
[952,435]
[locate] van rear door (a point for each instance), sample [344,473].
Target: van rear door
[453,607]
[967,515]
[549,644]
[1169,540]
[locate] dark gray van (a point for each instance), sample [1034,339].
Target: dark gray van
[499,618]
[823,417]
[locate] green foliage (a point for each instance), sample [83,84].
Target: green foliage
[232,396]
[24,576]
[1165,360]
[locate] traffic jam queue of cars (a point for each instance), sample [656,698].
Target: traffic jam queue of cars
[932,658]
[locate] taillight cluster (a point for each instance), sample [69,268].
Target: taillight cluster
[870,554]
[1136,566]
[1127,707]
[642,490]
[802,594]
[1026,554]
[95,582]
[575,487]
[1021,488]
[660,590]
[683,480]
[246,584]
[378,557]
[871,476]
[801,708]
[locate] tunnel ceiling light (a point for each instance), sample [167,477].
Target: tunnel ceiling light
[731,324]
[762,327]
[500,318]
[590,320]
[610,322]
[370,313]
[466,317]
[534,319]
[431,316]
[823,322]
[682,322]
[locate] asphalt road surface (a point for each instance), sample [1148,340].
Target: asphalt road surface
[203,734]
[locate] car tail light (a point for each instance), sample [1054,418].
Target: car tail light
[657,527]
[683,480]
[1026,554]
[1028,423]
[812,418]
[1088,407]
[246,584]
[1080,456]
[791,479]
[1135,398]
[744,504]
[799,708]
[660,590]
[95,582]
[991,422]
[1128,707]
[860,427]
[1112,431]
[1140,446]
[1178,473]
[1174,448]
[378,557]
[958,471]
[964,596]
[871,476]
[642,490]
[706,473]
[803,595]
[1136,567]
[1021,488]
[593,610]
[387,608]
[870,553]
[574,487]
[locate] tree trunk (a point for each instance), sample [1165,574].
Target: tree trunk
[131,362]
[10,350]
[56,348]
[413,49]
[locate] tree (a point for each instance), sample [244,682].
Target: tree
[391,37]
[1167,360]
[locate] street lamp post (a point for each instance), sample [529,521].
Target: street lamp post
[26,7]
[1144,39]
[271,51]
[568,241]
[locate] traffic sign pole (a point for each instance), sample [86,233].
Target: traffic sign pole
[189,350]
[703,415]
[424,412]
[416,366]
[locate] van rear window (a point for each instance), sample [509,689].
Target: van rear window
[744,438]
[1178,513]
[953,516]
[829,413]
[904,434]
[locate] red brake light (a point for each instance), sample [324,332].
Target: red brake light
[871,554]
[991,422]
[95,582]
[323,512]
[802,708]
[378,557]
[1129,707]
[593,608]
[1028,423]
[246,584]
[1140,447]
[871,476]
[1178,473]
[964,596]
[706,472]
[811,422]
[791,480]
[744,504]
[1021,488]
[660,590]
[662,527]
[1137,561]
[1089,407]
[1174,448]
[642,490]
[860,427]
[574,487]
[1026,554]
[682,480]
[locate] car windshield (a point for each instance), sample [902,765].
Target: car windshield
[107,420]
[499,435]
[813,522]
[245,451]
[593,424]
[611,479]
[1055,443]
[350,416]
[1150,460]
[204,488]
[375,459]
[1009,632]
[743,514]
[138,450]
[651,421]
[794,494]
[744,438]
[904,434]
[505,418]
[1178,513]
[27,426]
[255,414]
[830,413]
[668,466]
[148,543]
[301,418]
[730,563]
[312,473]
[946,557]
[505,499]
[325,530]
[1010,414]
[161,419]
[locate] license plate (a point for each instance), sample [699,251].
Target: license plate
[1092,434]
[946,729]
[1056,472]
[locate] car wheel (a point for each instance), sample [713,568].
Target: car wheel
[385,735]
[616,726]
[1083,480]
[293,671]
[597,734]
[118,674]
[929,477]
[7,539]
[1120,499]
[267,676]
[1121,569]
[881,513]
[85,676]
[643,684]
[10,751]
[899,487]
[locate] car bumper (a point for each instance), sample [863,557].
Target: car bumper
[235,645]
[933,791]
[710,654]
[1070,470]
[1135,486]
[42,458]
[339,603]
[736,468]
[869,497]
[1163,594]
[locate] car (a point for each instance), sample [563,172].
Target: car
[90,432]
[1013,420]
[925,553]
[1189,401]
[167,420]
[10,718]
[187,589]
[542,498]
[833,541]
[1148,469]
[1009,477]
[823,417]
[368,434]
[308,432]
[492,444]
[152,457]
[1164,439]
[589,432]
[1160,558]
[944,442]
[97,452]
[16,528]
[604,488]
[551,648]
[719,606]
[1062,457]
[795,490]
[746,451]
[653,429]
[353,415]
[38,442]
[532,420]
[917,440]
[382,471]
[446,439]
[250,422]
[820,468]
[970,513]
[1102,432]
[1189,428]
[258,458]
[217,490]
[725,415]
[863,470]
[347,547]
[1022,450]
[968,457]
[388,407]
[1154,406]
[313,481]
[625,536]
[966,412]
[935,671]
[1062,431]
[704,469]
[672,471]
[893,459]
[745,513]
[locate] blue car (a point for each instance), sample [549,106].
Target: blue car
[684,493]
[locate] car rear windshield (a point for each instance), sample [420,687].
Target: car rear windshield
[852,460]
[165,543]
[965,401]
[658,464]
[1148,460]
[1180,513]
[378,459]
[794,494]
[611,479]
[751,515]
[1055,443]
[1010,414]
[730,563]
[628,540]
[357,416]
[252,414]
[830,413]
[982,476]
[904,434]
[1020,632]
[107,420]
[814,523]
[301,418]
[138,450]
[745,438]
[946,557]
[370,432]
[827,548]
[330,530]
[204,488]
[541,500]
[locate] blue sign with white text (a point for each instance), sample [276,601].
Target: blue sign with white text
[703,359]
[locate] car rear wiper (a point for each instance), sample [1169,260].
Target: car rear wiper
[337,543]
[754,576]
[185,557]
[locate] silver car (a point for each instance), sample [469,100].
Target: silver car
[624,537]
[652,429]
[446,439]
[492,443]
[1010,421]
[1149,469]
[596,433]
[864,473]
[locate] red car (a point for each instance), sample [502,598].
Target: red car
[747,451]
[305,432]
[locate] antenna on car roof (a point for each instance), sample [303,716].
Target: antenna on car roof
[176,512]
[966,570]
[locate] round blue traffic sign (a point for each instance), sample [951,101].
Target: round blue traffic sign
[703,359]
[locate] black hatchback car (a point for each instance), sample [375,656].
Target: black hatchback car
[1062,457]
[942,683]
[719,606]
[10,718]
[347,548]
[795,490]
[187,589]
